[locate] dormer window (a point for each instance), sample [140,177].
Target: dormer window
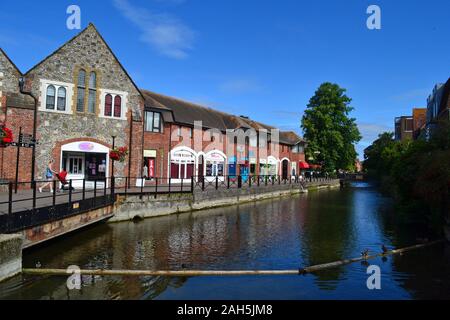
[153,122]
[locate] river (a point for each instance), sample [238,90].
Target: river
[288,233]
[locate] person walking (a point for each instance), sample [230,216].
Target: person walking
[49,172]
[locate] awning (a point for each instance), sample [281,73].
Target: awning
[303,165]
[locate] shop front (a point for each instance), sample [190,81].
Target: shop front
[215,166]
[85,160]
[182,164]
[149,168]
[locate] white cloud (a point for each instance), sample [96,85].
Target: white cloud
[239,86]
[163,32]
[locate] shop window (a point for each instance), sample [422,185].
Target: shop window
[50,101]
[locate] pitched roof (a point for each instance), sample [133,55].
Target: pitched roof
[10,61]
[90,25]
[187,112]
[290,137]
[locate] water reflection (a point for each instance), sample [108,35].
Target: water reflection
[278,234]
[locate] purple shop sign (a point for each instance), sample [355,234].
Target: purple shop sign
[86,146]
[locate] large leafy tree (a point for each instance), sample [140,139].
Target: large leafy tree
[330,131]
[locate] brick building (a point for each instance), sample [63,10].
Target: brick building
[85,97]
[404,128]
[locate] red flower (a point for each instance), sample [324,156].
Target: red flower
[6,136]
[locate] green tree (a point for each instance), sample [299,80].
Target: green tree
[329,129]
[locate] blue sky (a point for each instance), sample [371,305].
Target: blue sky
[262,59]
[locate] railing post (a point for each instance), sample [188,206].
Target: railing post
[217,182]
[70,195]
[126,186]
[156,187]
[239,182]
[104,186]
[192,184]
[84,188]
[10,198]
[250,181]
[203,183]
[54,193]
[182,181]
[113,188]
[228,182]
[170,185]
[34,195]
[95,192]
[258,177]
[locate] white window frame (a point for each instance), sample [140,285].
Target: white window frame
[124,107]
[57,84]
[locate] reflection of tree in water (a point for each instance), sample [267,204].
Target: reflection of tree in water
[327,233]
[425,273]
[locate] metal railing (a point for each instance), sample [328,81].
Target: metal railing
[29,207]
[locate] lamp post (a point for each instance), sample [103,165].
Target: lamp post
[33,157]
[112,160]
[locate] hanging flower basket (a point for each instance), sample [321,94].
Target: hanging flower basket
[6,137]
[118,154]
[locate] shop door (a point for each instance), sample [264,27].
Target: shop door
[75,167]
[285,169]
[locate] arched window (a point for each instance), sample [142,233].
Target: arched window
[50,101]
[117,107]
[108,105]
[81,86]
[61,106]
[92,92]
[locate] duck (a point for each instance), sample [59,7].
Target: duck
[38,264]
[365,253]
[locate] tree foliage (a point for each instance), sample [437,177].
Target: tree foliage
[417,173]
[329,129]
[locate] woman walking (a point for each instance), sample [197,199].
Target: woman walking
[49,172]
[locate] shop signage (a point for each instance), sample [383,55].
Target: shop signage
[86,146]
[183,155]
[150,153]
[151,168]
[215,157]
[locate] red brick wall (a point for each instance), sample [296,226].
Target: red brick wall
[15,119]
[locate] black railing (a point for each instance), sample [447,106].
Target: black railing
[30,207]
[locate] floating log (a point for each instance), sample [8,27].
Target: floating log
[193,273]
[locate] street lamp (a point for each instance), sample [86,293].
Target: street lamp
[112,160]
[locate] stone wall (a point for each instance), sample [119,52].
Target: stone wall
[133,206]
[87,51]
[10,255]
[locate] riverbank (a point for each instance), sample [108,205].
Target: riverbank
[285,233]
[132,207]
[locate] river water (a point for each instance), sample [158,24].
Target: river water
[286,233]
